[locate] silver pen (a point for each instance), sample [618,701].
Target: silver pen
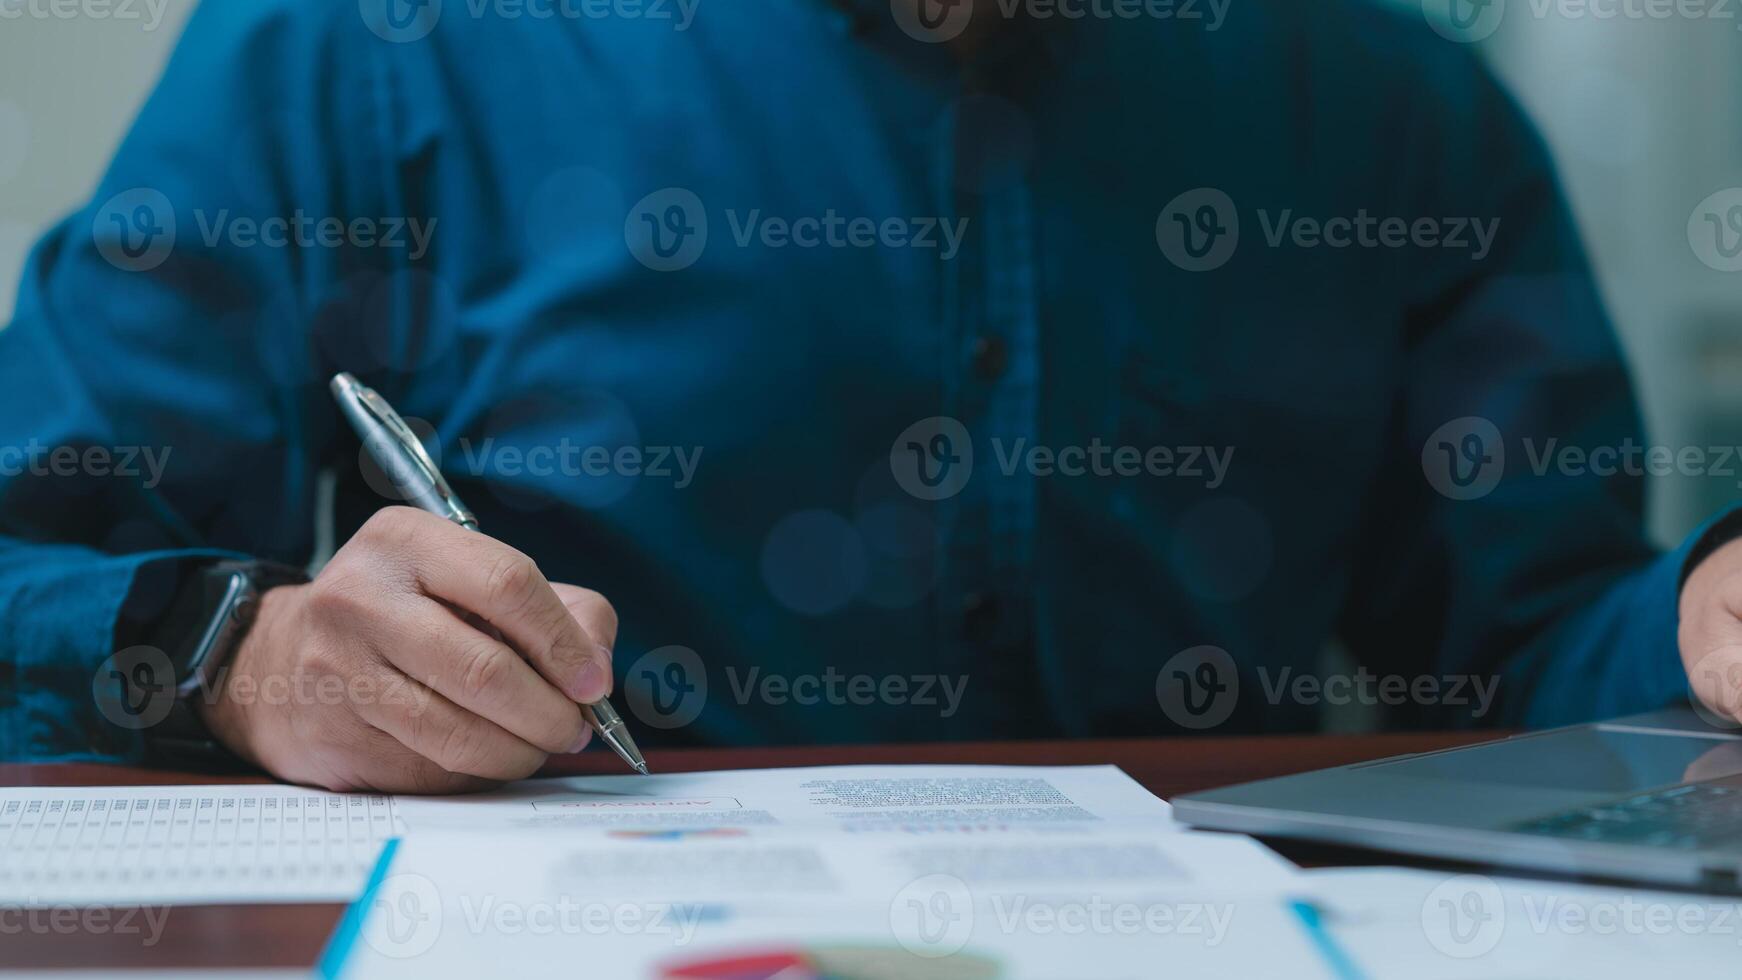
[400,454]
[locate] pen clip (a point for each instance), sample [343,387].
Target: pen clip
[370,401]
[377,406]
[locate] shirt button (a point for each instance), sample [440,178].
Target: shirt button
[991,358]
[979,615]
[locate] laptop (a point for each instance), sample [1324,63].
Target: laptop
[1650,798]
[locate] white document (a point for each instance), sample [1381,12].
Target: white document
[1407,923]
[851,799]
[186,844]
[797,903]
[850,872]
[216,844]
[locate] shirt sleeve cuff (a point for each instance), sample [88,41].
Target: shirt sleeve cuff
[79,598]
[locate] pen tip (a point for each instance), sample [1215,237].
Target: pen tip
[641,767]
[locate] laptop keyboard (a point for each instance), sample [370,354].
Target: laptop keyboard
[1691,817]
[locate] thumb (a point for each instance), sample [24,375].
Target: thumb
[1716,681]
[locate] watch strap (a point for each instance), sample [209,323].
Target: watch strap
[181,739]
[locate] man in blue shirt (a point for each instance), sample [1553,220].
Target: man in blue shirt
[953,375]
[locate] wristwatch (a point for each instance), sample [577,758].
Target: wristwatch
[206,622]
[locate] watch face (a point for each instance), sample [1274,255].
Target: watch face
[212,625]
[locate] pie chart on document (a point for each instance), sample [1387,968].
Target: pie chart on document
[830,963]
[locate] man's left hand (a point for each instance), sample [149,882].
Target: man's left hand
[1710,634]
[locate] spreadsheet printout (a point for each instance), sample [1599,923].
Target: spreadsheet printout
[187,844]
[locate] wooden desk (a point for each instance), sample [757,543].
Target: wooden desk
[293,935]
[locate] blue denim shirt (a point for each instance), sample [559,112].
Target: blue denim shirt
[712,320]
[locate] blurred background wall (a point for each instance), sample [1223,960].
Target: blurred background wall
[69,88]
[1645,118]
[1644,114]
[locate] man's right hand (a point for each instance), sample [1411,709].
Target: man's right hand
[374,676]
